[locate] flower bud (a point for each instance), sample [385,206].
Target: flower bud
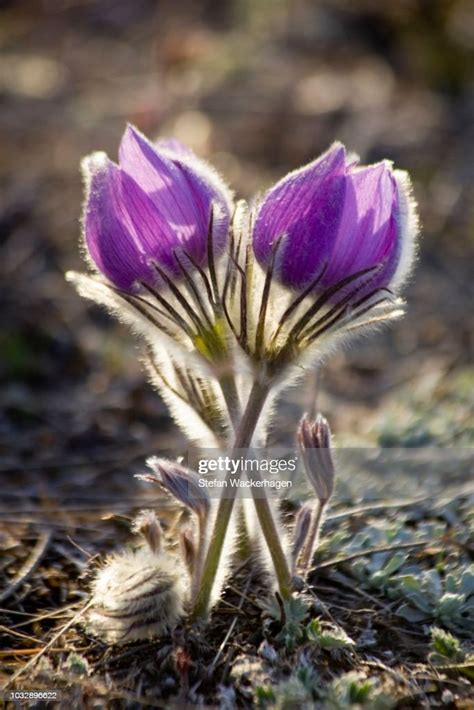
[156,202]
[136,595]
[180,482]
[148,526]
[338,218]
[314,438]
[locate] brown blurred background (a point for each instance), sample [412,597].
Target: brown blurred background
[259,88]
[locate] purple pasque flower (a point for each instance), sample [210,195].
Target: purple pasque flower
[154,206]
[335,219]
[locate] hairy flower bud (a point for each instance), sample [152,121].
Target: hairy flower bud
[148,526]
[136,595]
[314,438]
[180,482]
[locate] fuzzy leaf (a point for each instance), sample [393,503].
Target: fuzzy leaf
[328,637]
[412,615]
[446,645]
[467,582]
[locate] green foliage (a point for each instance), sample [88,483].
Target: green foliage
[427,596]
[294,632]
[264,695]
[291,615]
[353,690]
[444,593]
[327,636]
[77,664]
[449,654]
[303,689]
[446,647]
[300,690]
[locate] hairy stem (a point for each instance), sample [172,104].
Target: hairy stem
[272,538]
[313,535]
[243,438]
[201,548]
[231,397]
[232,400]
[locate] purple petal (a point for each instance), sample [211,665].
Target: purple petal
[367,234]
[157,238]
[181,201]
[109,235]
[124,229]
[306,206]
[207,181]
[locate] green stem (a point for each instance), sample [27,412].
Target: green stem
[199,561]
[272,538]
[232,400]
[243,438]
